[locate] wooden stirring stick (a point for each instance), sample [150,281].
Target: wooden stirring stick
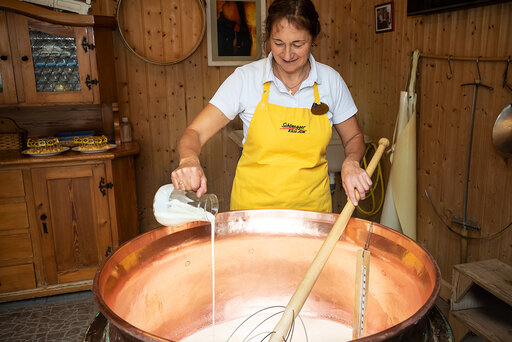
[302,292]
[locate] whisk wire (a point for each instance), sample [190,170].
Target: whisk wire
[260,324]
[254,334]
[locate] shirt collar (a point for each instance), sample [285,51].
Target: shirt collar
[309,82]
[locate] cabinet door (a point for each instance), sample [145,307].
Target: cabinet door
[7,83]
[54,64]
[74,221]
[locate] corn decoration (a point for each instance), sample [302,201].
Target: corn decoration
[91,143]
[43,145]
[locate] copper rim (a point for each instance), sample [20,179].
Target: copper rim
[305,224]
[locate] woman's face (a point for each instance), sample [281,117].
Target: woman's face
[290,46]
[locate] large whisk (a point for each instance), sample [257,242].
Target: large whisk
[284,330]
[259,326]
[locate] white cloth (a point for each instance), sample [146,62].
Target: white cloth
[241,92]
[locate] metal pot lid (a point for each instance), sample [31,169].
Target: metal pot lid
[502,131]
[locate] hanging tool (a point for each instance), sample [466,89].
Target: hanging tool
[361,288]
[302,292]
[450,75]
[505,76]
[464,221]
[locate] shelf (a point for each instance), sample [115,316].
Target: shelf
[482,299]
[492,323]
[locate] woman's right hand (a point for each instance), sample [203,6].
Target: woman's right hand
[189,176]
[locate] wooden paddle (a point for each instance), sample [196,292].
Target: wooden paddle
[302,292]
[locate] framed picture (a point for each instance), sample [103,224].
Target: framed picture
[234,31]
[384,17]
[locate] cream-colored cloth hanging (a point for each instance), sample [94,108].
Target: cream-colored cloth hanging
[399,210]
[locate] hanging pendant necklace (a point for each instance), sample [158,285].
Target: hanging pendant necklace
[290,89]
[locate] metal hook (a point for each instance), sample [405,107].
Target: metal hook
[505,76]
[478,68]
[450,76]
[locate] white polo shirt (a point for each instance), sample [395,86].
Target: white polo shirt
[241,92]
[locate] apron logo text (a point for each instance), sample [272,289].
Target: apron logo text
[293,128]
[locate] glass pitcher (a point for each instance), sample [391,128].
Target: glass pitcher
[208,202]
[173,207]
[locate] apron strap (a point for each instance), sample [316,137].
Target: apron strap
[317,95]
[264,96]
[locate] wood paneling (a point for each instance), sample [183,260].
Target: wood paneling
[444,131]
[161,101]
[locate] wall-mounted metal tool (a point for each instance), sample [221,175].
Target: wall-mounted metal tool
[464,221]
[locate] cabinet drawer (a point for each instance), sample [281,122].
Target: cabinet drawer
[14,216]
[11,184]
[15,246]
[15,278]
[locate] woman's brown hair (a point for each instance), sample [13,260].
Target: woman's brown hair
[301,13]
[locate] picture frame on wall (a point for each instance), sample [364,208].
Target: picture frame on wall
[384,20]
[234,31]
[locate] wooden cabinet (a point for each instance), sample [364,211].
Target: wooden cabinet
[7,84]
[55,58]
[61,217]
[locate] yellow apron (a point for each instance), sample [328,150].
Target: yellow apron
[283,163]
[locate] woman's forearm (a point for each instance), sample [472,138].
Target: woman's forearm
[353,177]
[190,174]
[355,148]
[189,146]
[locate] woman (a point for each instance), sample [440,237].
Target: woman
[287,103]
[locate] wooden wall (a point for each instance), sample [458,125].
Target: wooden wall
[161,100]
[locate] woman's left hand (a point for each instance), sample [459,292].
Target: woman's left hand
[354,178]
